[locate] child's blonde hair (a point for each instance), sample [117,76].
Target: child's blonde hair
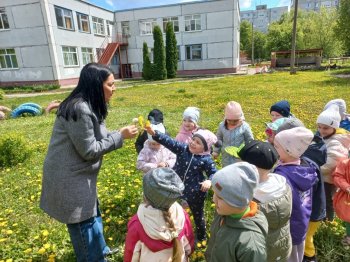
[177,245]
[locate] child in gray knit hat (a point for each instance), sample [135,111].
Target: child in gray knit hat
[190,119]
[161,230]
[239,230]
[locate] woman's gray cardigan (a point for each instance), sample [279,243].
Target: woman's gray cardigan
[71,166]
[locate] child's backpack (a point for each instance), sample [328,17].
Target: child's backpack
[316,156]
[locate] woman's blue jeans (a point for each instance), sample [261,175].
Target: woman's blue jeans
[88,240]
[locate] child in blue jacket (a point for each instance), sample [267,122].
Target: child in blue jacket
[193,160]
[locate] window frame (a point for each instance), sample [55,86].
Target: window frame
[108,23]
[61,9]
[86,54]
[125,25]
[172,20]
[101,26]
[80,22]
[69,57]
[188,23]
[192,48]
[151,22]
[9,57]
[3,17]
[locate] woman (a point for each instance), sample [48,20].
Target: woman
[78,142]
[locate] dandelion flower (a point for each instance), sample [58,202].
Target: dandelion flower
[45,233]
[41,251]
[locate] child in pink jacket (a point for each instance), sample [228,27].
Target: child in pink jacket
[161,230]
[154,155]
[189,125]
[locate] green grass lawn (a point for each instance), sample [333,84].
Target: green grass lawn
[27,234]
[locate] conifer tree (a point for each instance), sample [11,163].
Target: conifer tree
[159,64]
[147,66]
[171,51]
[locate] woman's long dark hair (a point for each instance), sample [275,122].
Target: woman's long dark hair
[89,90]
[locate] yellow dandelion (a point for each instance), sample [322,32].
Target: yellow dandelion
[41,251]
[3,240]
[9,232]
[45,233]
[9,260]
[36,237]
[199,244]
[204,242]
[110,238]
[47,246]
[132,205]
[108,220]
[27,251]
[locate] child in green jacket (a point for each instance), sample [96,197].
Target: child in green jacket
[239,230]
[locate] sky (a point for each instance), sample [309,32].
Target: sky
[116,5]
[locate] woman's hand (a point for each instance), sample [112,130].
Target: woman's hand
[205,185]
[128,132]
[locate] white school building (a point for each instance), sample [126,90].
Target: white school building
[49,41]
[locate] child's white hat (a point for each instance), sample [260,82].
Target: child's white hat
[159,127]
[330,117]
[341,104]
[294,141]
[191,113]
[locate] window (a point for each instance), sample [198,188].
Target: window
[98,25]
[178,53]
[83,23]
[87,54]
[174,20]
[125,28]
[192,22]
[193,52]
[146,26]
[109,27]
[70,56]
[64,18]
[4,22]
[8,58]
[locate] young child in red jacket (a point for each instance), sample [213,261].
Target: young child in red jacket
[161,230]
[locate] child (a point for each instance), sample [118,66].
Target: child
[315,155]
[192,161]
[290,145]
[341,179]
[154,155]
[238,232]
[279,110]
[271,129]
[233,131]
[345,122]
[155,117]
[189,124]
[161,230]
[274,198]
[337,141]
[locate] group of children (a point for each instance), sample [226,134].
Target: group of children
[270,197]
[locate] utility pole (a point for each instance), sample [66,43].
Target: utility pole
[253,41]
[293,70]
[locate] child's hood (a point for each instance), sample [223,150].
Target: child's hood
[303,177]
[342,136]
[154,224]
[146,146]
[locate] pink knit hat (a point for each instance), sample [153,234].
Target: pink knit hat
[208,139]
[233,111]
[295,141]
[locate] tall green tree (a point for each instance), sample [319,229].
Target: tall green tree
[171,51]
[343,24]
[147,66]
[159,63]
[245,35]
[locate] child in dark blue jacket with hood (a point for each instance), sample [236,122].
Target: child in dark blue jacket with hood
[195,167]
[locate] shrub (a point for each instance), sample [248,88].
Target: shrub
[1,94]
[13,150]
